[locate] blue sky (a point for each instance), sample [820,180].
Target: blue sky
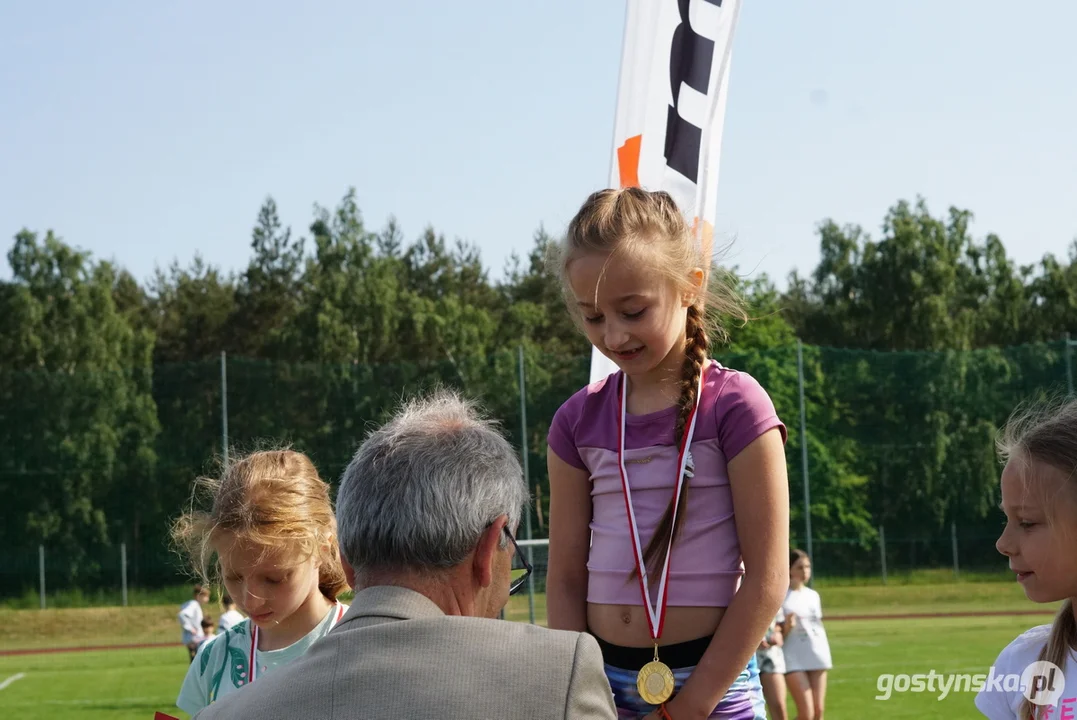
[149,131]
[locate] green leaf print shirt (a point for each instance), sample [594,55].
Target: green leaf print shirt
[222,665]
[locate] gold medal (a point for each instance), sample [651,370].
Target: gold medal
[655,683]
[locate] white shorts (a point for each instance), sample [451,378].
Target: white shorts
[770,661]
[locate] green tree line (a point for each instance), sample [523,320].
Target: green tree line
[916,346]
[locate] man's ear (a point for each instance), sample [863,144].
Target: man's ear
[349,572]
[486,552]
[696,280]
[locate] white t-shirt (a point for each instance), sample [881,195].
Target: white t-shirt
[806,647]
[1002,700]
[190,620]
[228,619]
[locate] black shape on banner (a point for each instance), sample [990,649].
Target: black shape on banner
[690,59]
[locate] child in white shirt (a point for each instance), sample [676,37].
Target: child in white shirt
[1039,497]
[190,620]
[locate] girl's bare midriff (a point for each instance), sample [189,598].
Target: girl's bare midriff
[626,625]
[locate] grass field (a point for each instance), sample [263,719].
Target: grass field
[93,685]
[134,683]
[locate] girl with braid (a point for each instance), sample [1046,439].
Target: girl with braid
[668,490]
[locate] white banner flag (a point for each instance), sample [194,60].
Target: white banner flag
[671,107]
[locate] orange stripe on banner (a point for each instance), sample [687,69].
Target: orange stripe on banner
[628,161]
[706,236]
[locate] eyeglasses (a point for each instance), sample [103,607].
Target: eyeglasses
[521,569]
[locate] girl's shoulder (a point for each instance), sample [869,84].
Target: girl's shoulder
[594,406]
[234,640]
[1023,649]
[740,408]
[720,377]
[204,658]
[597,393]
[206,674]
[727,388]
[230,636]
[241,628]
[999,701]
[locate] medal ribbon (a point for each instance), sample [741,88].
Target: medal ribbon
[253,666]
[656,616]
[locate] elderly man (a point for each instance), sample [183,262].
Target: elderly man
[426,514]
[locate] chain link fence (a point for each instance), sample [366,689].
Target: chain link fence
[891,460]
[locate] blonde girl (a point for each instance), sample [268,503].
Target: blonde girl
[270,536]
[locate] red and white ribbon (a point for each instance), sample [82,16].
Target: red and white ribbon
[656,615]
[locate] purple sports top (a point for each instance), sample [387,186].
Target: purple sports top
[706,567]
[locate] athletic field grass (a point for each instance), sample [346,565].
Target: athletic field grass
[133,683]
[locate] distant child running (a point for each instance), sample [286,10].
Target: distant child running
[271,535]
[806,648]
[1039,497]
[669,509]
[190,620]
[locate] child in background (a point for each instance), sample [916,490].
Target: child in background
[230,616]
[771,661]
[271,535]
[653,463]
[806,648]
[190,620]
[1039,497]
[207,630]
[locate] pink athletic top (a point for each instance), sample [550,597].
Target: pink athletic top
[706,566]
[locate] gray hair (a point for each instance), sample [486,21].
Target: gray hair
[421,489]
